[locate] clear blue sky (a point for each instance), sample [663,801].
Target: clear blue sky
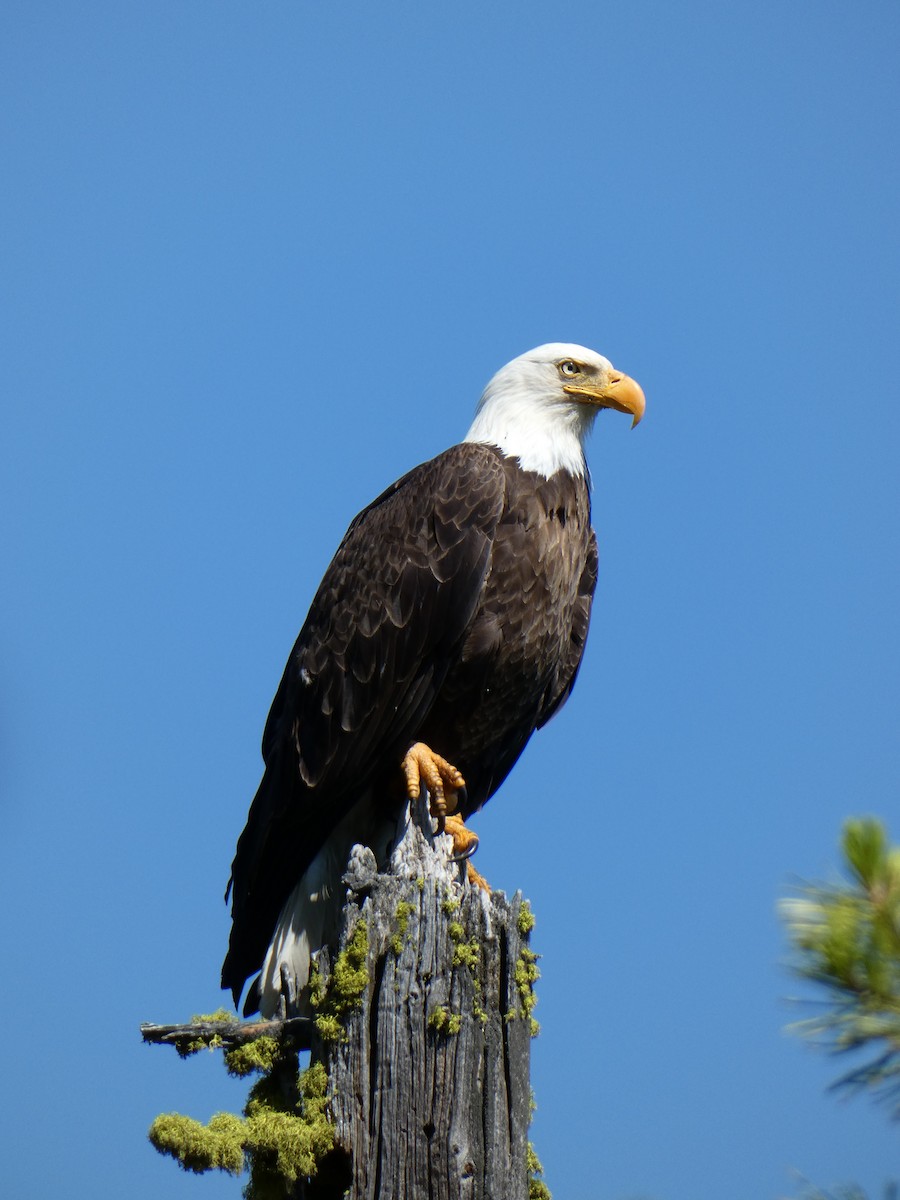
[258,260]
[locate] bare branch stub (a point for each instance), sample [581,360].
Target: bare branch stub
[294,1032]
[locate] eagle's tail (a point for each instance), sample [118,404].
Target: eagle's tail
[310,917]
[309,920]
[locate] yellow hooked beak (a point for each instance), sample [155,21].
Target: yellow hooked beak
[620,392]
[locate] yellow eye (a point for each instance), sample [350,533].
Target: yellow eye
[568,368]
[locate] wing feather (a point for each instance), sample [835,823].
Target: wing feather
[581,619]
[386,625]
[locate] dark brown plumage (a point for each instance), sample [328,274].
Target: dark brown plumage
[437,620]
[453,617]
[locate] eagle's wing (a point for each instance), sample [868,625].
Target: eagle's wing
[388,620]
[384,628]
[581,618]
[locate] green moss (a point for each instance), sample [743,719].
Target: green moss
[349,981]
[188,1046]
[316,985]
[205,1041]
[467,954]
[444,1021]
[258,1055]
[525,975]
[449,904]
[289,1142]
[537,1189]
[329,1027]
[196,1147]
[351,976]
[401,915]
[220,1016]
[438,1018]
[525,919]
[420,883]
[283,1134]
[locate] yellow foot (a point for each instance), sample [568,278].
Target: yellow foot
[422,765]
[465,843]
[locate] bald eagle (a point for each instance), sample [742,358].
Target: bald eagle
[449,626]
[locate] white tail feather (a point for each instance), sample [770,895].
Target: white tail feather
[310,918]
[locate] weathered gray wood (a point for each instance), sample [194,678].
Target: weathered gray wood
[426,1043]
[429,1085]
[294,1032]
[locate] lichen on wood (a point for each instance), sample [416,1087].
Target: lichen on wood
[429,1082]
[420,1050]
[343,992]
[283,1134]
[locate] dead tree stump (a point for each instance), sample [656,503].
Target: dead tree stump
[427,1048]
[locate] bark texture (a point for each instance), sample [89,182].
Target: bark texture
[429,1070]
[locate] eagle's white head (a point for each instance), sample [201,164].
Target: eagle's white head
[540,407]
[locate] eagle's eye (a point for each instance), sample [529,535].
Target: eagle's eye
[568,368]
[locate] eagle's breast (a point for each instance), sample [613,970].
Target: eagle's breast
[518,654]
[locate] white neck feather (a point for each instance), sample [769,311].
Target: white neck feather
[541,445]
[525,414]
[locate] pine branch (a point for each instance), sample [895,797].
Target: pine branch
[846,941]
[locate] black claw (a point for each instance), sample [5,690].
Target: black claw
[466,854]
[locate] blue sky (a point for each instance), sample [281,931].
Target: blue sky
[258,260]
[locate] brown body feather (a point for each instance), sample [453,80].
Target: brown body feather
[454,612]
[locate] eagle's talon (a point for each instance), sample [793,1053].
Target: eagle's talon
[463,837]
[465,843]
[466,852]
[444,782]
